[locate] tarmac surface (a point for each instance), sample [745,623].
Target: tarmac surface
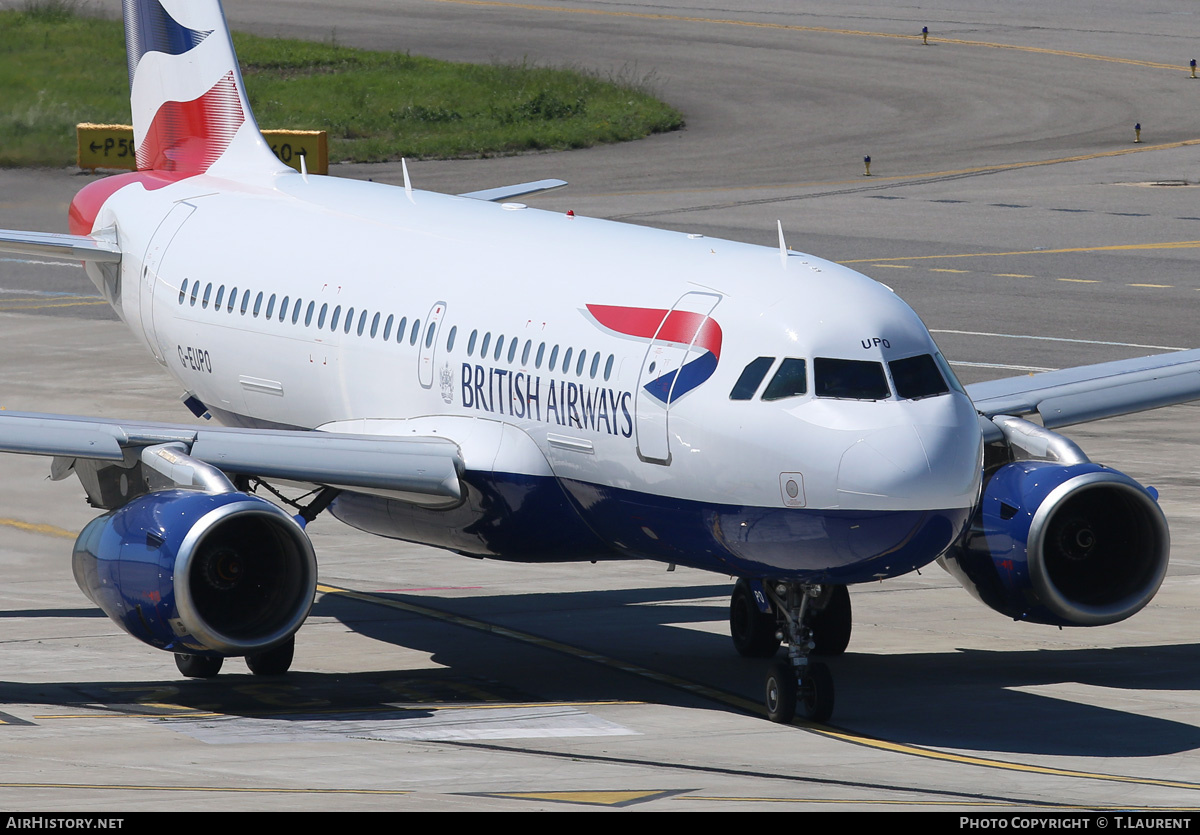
[1008,204]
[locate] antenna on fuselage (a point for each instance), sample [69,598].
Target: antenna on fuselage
[407,182]
[783,250]
[304,167]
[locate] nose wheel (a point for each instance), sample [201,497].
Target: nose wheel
[788,692]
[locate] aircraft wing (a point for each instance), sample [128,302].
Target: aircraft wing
[519,190]
[55,245]
[1091,392]
[417,466]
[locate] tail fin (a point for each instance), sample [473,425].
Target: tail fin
[190,112]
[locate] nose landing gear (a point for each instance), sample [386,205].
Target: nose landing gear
[810,619]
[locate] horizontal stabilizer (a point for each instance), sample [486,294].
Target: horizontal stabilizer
[496,195]
[1092,392]
[55,245]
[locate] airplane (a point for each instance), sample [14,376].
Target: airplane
[470,373]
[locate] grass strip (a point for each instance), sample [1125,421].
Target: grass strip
[59,67]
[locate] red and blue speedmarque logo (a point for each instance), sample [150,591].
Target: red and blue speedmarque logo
[699,332]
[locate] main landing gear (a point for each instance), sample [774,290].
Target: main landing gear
[812,620]
[273,662]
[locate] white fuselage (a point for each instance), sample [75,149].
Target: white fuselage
[335,304]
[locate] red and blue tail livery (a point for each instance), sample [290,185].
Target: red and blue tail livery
[150,28]
[188,100]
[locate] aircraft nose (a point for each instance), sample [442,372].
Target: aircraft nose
[911,467]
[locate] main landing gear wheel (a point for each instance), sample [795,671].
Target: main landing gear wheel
[754,633]
[198,666]
[831,626]
[275,661]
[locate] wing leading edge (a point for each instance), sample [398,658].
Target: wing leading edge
[519,190]
[1091,392]
[421,467]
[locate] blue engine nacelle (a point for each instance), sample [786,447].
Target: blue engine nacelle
[200,573]
[1068,545]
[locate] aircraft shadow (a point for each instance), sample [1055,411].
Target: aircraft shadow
[963,699]
[1000,702]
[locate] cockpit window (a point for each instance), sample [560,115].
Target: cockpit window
[917,377]
[790,380]
[752,376]
[948,373]
[850,379]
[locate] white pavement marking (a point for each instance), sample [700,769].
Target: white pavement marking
[1060,339]
[404,725]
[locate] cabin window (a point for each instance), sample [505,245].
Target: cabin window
[512,349]
[337,314]
[537,362]
[232,300]
[566,366]
[401,328]
[245,302]
[321,315]
[499,347]
[595,365]
[308,314]
[220,297]
[750,379]
[471,343]
[183,291]
[487,340]
[416,332]
[387,326]
[195,293]
[270,306]
[296,311]
[375,325]
[349,321]
[791,380]
[608,367]
[207,293]
[553,357]
[580,363]
[283,306]
[450,339]
[525,353]
[850,379]
[917,377]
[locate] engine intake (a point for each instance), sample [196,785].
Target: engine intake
[227,574]
[1069,545]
